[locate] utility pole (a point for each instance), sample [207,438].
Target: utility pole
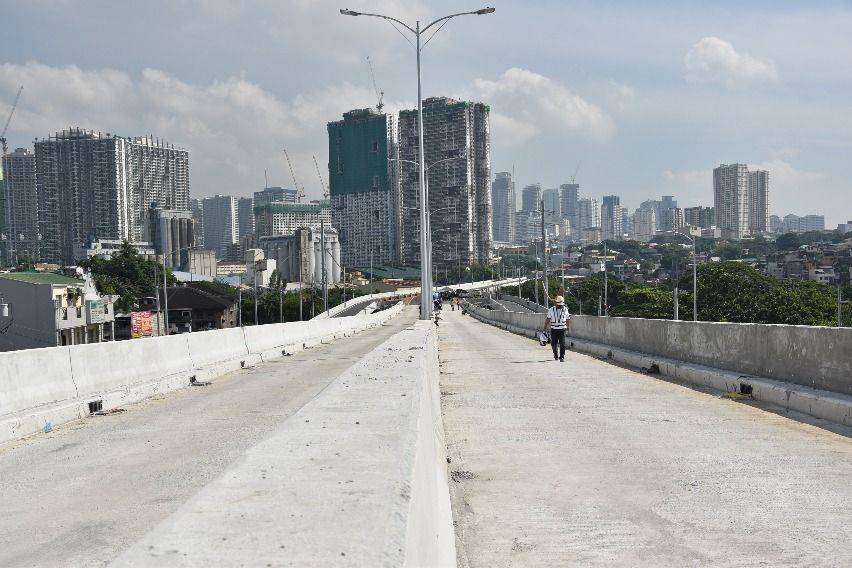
[324,281]
[545,283]
[165,295]
[839,306]
[240,304]
[256,320]
[157,294]
[676,304]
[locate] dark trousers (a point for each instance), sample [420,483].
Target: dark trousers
[557,342]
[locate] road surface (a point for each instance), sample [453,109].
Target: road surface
[584,463]
[82,494]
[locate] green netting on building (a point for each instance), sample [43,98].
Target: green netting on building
[357,153]
[292,207]
[3,231]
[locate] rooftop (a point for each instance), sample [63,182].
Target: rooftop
[42,278]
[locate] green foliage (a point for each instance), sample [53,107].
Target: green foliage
[127,275]
[645,302]
[788,242]
[734,292]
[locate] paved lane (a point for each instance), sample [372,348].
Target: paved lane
[584,463]
[83,493]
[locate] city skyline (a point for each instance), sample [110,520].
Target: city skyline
[641,118]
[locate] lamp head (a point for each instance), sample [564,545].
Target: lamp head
[348,12]
[483,11]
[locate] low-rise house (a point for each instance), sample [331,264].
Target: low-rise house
[49,310]
[194,308]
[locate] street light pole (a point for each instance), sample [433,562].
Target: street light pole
[425,267]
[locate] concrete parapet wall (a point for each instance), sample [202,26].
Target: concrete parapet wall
[530,305]
[356,477]
[816,357]
[800,368]
[41,388]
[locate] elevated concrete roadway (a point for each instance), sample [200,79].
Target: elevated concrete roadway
[584,463]
[82,494]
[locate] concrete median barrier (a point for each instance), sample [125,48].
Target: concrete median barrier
[356,477]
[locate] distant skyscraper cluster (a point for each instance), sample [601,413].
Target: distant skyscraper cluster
[741,200]
[81,186]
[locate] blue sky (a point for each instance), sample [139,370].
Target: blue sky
[647,96]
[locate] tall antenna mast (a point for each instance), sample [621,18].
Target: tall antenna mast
[380,95]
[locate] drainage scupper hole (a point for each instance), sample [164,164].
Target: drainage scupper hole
[96,406]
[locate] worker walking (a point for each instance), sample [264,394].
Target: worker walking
[556,323]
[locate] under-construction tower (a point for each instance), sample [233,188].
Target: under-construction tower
[457,143]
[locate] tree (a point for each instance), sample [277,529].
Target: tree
[735,292]
[788,242]
[127,275]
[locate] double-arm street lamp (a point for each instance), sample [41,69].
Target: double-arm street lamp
[694,272]
[425,268]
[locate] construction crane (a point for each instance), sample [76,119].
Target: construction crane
[575,173]
[322,181]
[8,120]
[300,191]
[380,95]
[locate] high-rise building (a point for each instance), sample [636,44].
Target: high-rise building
[92,186]
[221,228]
[527,227]
[668,202]
[569,195]
[775,224]
[552,205]
[644,224]
[758,190]
[364,187]
[196,207]
[503,207]
[4,234]
[812,223]
[245,216]
[731,199]
[588,214]
[285,218]
[611,217]
[158,174]
[275,195]
[457,135]
[21,205]
[698,217]
[531,198]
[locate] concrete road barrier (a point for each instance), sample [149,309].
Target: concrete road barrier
[356,477]
[769,362]
[41,388]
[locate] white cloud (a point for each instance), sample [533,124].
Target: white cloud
[525,104]
[690,187]
[714,60]
[792,190]
[233,128]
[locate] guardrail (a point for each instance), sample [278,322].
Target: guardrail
[43,387]
[804,368]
